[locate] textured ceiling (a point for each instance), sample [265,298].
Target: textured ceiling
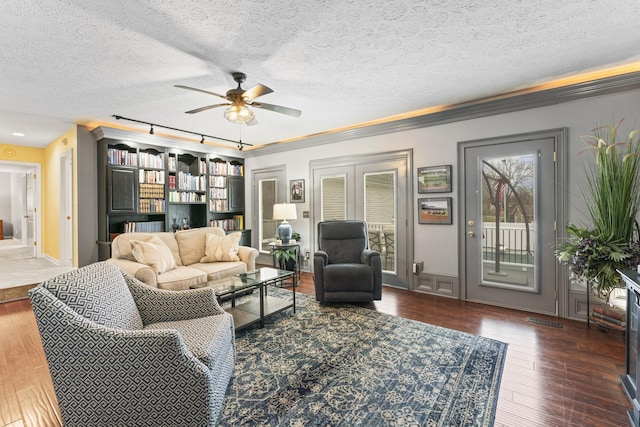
[341,62]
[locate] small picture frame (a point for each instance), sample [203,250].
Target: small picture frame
[435,210]
[434,179]
[296,191]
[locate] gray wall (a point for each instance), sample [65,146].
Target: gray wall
[437,145]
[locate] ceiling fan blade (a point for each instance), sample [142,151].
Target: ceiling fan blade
[256,91]
[277,108]
[200,90]
[208,107]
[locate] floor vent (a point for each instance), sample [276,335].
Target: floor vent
[544,322]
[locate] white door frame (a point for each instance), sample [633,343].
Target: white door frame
[35,168]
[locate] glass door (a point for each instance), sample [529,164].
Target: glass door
[372,192]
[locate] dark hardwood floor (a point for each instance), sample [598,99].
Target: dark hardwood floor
[552,377]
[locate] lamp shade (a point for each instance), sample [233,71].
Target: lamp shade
[284,211]
[238,114]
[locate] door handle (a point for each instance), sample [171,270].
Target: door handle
[471,234]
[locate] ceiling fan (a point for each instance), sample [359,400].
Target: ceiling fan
[239,100]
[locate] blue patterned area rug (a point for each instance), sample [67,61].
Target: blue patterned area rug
[343,365]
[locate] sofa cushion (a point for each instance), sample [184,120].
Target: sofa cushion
[181,278]
[192,243]
[99,293]
[153,253]
[221,248]
[121,248]
[348,277]
[220,270]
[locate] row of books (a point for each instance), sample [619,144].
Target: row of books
[148,160]
[122,157]
[217,193]
[218,205]
[225,168]
[217,181]
[152,206]
[186,197]
[152,191]
[186,181]
[151,177]
[609,317]
[143,226]
[232,224]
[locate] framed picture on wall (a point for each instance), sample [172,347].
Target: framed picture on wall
[434,179]
[435,210]
[296,191]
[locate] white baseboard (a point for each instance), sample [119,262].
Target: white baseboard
[51,259]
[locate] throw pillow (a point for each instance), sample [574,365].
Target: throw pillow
[154,253]
[222,248]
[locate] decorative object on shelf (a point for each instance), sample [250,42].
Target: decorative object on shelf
[435,211]
[284,212]
[594,253]
[434,179]
[239,143]
[296,191]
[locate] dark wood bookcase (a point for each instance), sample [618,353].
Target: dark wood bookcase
[152,188]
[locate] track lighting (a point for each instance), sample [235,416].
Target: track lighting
[239,143]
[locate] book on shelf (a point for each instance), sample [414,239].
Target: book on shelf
[606,324]
[143,226]
[122,157]
[229,224]
[612,312]
[608,319]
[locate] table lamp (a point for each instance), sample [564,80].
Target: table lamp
[284,211]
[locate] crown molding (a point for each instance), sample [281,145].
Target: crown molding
[102,132]
[467,111]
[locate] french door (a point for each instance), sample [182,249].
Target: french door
[508,222]
[375,189]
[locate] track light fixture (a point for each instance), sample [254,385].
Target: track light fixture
[239,144]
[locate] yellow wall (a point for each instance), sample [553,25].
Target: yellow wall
[51,189]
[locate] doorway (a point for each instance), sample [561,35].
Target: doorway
[373,188]
[510,201]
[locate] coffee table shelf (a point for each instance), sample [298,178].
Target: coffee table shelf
[255,310]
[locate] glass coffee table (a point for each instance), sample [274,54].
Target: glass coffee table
[254,310]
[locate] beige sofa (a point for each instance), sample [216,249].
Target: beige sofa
[188,249]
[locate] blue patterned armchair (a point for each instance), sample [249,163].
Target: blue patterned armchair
[122,353]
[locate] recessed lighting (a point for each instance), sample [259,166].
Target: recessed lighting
[17,134]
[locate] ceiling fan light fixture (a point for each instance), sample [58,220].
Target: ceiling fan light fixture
[238,114]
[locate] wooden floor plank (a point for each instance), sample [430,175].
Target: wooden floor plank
[565,377]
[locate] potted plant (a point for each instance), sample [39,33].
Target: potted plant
[286,258]
[612,194]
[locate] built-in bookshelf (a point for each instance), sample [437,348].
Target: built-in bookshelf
[152,188]
[151,179]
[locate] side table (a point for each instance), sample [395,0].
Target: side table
[281,262]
